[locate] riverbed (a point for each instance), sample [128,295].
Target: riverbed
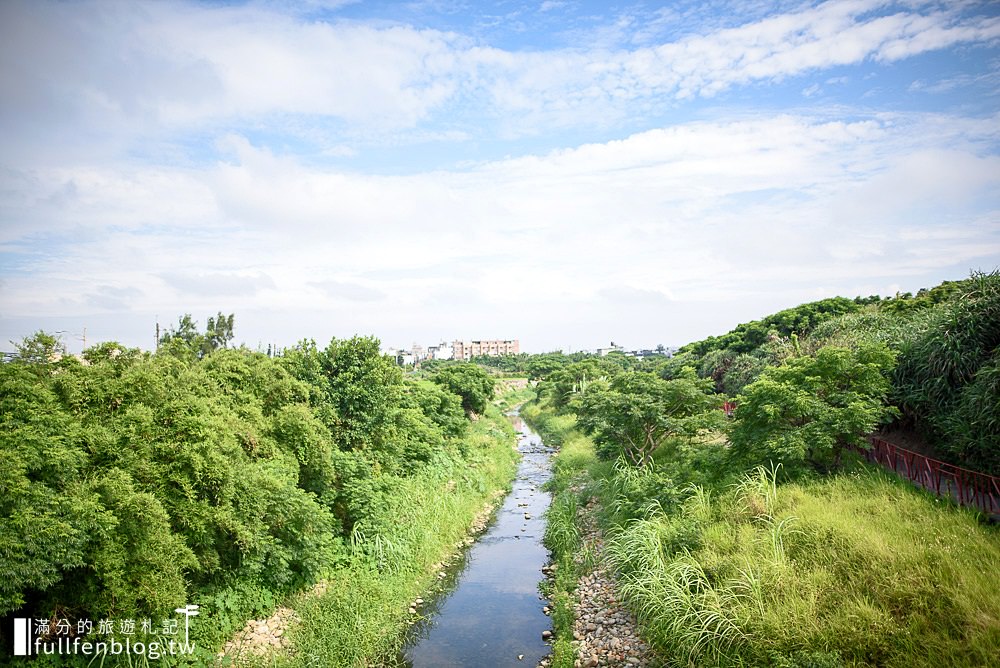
[490,613]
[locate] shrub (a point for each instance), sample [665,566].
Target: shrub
[637,412]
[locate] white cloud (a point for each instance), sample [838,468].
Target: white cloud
[549,5]
[703,212]
[149,165]
[111,69]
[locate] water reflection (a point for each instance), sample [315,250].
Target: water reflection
[493,613]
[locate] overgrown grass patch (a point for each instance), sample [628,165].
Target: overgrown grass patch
[512,398]
[857,569]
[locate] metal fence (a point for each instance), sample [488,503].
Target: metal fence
[967,488]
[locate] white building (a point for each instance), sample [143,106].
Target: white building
[443,351]
[614,347]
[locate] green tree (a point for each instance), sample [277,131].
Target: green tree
[470,382]
[186,342]
[442,406]
[39,348]
[563,385]
[946,381]
[743,370]
[540,366]
[218,332]
[355,389]
[809,409]
[637,412]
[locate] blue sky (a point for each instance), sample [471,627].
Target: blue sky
[562,172]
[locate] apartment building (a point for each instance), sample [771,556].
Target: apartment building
[463,350]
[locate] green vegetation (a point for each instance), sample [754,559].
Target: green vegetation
[406,533]
[848,570]
[946,379]
[471,383]
[636,413]
[511,396]
[809,409]
[575,463]
[853,569]
[135,483]
[764,540]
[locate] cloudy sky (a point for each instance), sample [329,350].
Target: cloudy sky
[566,173]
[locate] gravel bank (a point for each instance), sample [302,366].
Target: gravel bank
[604,633]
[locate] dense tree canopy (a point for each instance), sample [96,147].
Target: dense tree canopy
[948,379]
[132,483]
[186,341]
[473,384]
[635,413]
[807,410]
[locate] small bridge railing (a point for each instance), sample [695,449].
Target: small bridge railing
[967,488]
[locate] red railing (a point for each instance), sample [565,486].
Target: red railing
[965,487]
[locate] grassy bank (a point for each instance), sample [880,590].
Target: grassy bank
[360,617]
[512,396]
[574,466]
[857,569]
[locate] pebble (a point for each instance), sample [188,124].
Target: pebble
[604,633]
[262,636]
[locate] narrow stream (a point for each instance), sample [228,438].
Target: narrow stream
[493,614]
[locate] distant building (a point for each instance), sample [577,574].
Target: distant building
[613,348]
[442,351]
[465,350]
[405,358]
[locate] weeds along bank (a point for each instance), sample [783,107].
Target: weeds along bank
[136,483]
[852,569]
[574,465]
[359,618]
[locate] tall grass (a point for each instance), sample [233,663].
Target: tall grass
[574,466]
[510,399]
[857,569]
[562,536]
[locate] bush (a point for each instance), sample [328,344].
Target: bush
[137,483]
[637,412]
[440,405]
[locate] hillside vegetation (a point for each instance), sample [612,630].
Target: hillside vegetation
[763,539]
[944,376]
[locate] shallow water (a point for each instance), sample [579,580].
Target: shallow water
[491,612]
